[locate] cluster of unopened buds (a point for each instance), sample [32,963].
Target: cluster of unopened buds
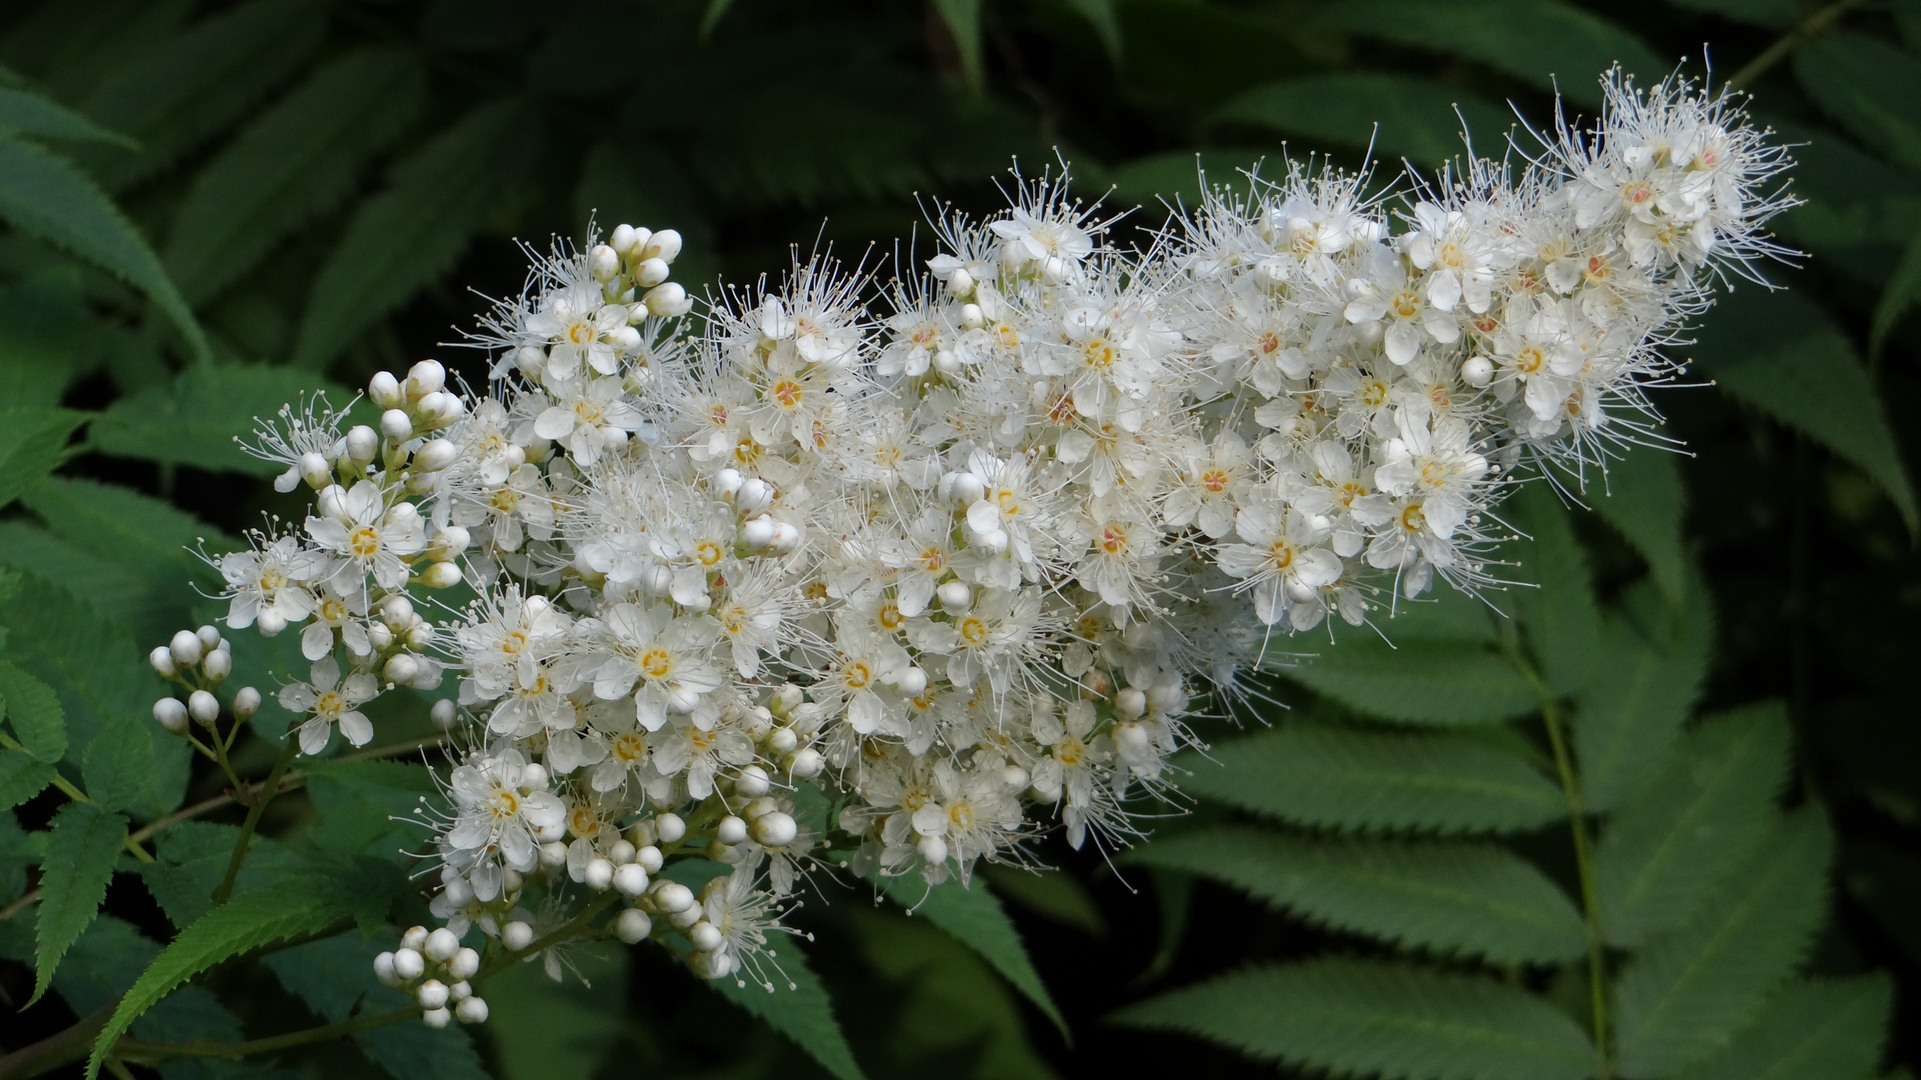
[198,661]
[825,581]
[433,969]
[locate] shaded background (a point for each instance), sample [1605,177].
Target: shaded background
[336,186]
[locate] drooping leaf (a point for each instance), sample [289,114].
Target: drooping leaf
[1339,778]
[1687,994]
[1377,1019]
[1450,898]
[32,442]
[119,765]
[1559,612]
[27,113]
[34,712]
[250,920]
[963,21]
[22,776]
[1642,497]
[196,419]
[1870,86]
[1692,823]
[1633,707]
[48,196]
[81,849]
[1399,115]
[542,1029]
[801,1011]
[194,84]
[404,237]
[973,914]
[1549,44]
[1433,683]
[1820,1030]
[296,161]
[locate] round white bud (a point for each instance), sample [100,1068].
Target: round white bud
[731,830]
[599,874]
[552,852]
[270,623]
[967,488]
[1130,702]
[603,262]
[955,597]
[432,994]
[472,1010]
[401,668]
[209,636]
[384,969]
[630,879]
[663,245]
[442,945]
[1131,739]
[516,936]
[397,612]
[161,658]
[961,283]
[786,538]
[458,891]
[947,361]
[425,377]
[627,339]
[449,542]
[994,540]
[775,829]
[384,390]
[171,714]
[441,575]
[465,964]
[203,706]
[933,849]
[441,407]
[669,827]
[622,852]
[461,990]
[633,926]
[752,782]
[672,896]
[623,238]
[435,455]
[396,425]
[668,299]
[705,936]
[754,809]
[657,580]
[408,964]
[218,664]
[782,739]
[533,775]
[758,533]
[186,648]
[648,858]
[754,495]
[363,443]
[727,482]
[1477,371]
[436,1018]
[379,636]
[443,713]
[805,763]
[650,272]
[1014,778]
[1168,694]
[971,316]
[246,702]
[415,938]
[912,682]
[316,470]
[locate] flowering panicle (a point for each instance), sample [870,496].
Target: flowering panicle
[812,582]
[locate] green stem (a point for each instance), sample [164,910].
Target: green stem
[268,789]
[569,930]
[142,1051]
[1785,44]
[66,788]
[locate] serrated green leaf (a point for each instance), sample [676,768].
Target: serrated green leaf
[41,317]
[248,921]
[1632,710]
[546,1030]
[1450,898]
[404,237]
[963,21]
[1377,1019]
[1778,353]
[195,84]
[1897,296]
[71,47]
[333,976]
[358,801]
[135,603]
[1434,683]
[1687,994]
[32,442]
[1558,613]
[22,776]
[1642,497]
[802,1011]
[81,850]
[118,767]
[1548,44]
[973,914]
[1870,86]
[1340,778]
[33,709]
[25,113]
[48,196]
[1823,1030]
[1051,894]
[1692,824]
[298,160]
[120,526]
[196,419]
[1398,115]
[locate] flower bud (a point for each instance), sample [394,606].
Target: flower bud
[754,496]
[171,714]
[758,533]
[1014,778]
[933,849]
[270,623]
[414,938]
[203,707]
[786,539]
[396,425]
[426,377]
[705,936]
[516,936]
[436,1018]
[449,542]
[435,456]
[440,407]
[775,829]
[401,668]
[782,740]
[363,443]
[384,969]
[630,880]
[463,989]
[384,390]
[316,470]
[1131,739]
[692,913]
[912,682]
[441,575]
[947,361]
[186,648]
[622,852]
[408,964]
[379,636]
[971,316]
[442,945]
[955,597]
[961,283]
[1130,702]
[663,245]
[161,658]
[648,858]
[432,994]
[752,782]
[626,240]
[218,664]
[667,300]
[731,830]
[633,926]
[1168,694]
[964,488]
[603,262]
[245,703]
[672,896]
[599,874]
[472,1011]
[994,540]
[458,891]
[726,483]
[465,964]
[805,763]
[1477,371]
[669,828]
[650,272]
[443,713]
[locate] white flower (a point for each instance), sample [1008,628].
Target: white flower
[588,416]
[370,535]
[331,702]
[272,581]
[581,327]
[501,804]
[661,660]
[1281,555]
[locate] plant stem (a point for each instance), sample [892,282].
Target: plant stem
[60,1048]
[146,1052]
[265,794]
[66,788]
[1584,865]
[1777,52]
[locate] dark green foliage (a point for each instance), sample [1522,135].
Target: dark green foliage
[81,849]
[800,1010]
[1818,1030]
[1398,116]
[973,914]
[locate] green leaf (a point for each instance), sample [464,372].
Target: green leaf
[1640,694]
[32,442]
[248,921]
[1899,294]
[544,1030]
[1436,683]
[119,766]
[26,113]
[1450,898]
[1772,14]
[1051,894]
[1178,178]
[1643,498]
[973,914]
[1693,823]
[963,21]
[1398,115]
[197,83]
[801,1010]
[1870,86]
[358,803]
[1340,778]
[1107,26]
[1377,1019]
[22,776]
[41,317]
[1559,612]
[1686,995]
[196,419]
[333,976]
[1532,40]
[45,194]
[81,850]
[407,235]
[298,160]
[1778,353]
[34,711]
[1823,1030]
[124,527]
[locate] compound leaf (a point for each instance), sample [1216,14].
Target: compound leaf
[81,850]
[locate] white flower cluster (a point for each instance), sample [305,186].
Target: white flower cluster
[796,581]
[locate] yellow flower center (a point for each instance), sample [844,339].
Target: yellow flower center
[656,663]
